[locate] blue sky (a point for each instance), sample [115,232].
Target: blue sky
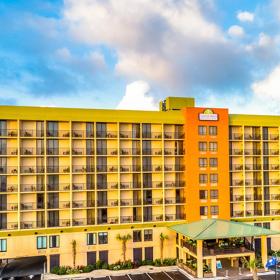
[132,53]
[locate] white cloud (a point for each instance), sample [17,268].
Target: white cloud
[236,31]
[245,16]
[161,41]
[269,88]
[137,97]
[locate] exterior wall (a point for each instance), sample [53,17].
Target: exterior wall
[25,245]
[193,170]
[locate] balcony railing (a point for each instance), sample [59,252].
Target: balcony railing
[106,134]
[236,136]
[31,224]
[131,219]
[129,185]
[8,133]
[107,168]
[174,200]
[31,133]
[129,151]
[59,205]
[32,187]
[108,220]
[108,185]
[82,169]
[8,151]
[129,134]
[272,197]
[8,170]
[105,151]
[9,226]
[58,133]
[236,152]
[249,136]
[82,186]
[153,201]
[236,214]
[83,222]
[26,206]
[173,217]
[8,188]
[58,151]
[82,204]
[32,169]
[253,212]
[59,187]
[252,152]
[272,212]
[108,202]
[237,198]
[58,169]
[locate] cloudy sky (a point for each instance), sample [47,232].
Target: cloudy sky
[130,54]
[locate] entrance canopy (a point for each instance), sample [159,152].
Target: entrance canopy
[216,228]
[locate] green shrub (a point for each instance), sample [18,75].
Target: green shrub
[147,262]
[89,268]
[99,264]
[157,262]
[62,270]
[169,262]
[104,266]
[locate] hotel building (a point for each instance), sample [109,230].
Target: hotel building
[88,174]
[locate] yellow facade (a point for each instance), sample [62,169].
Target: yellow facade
[70,172]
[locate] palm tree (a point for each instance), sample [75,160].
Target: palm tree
[123,239]
[252,264]
[162,237]
[74,251]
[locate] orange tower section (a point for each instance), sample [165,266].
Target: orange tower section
[207,164]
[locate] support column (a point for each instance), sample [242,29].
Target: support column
[214,266]
[264,250]
[199,255]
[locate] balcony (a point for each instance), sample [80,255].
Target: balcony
[131,219]
[273,197]
[107,203]
[253,213]
[8,170]
[58,169]
[82,169]
[271,152]
[9,226]
[174,135]
[82,204]
[172,151]
[27,206]
[272,182]
[106,152]
[83,222]
[150,152]
[59,187]
[9,207]
[236,136]
[152,135]
[174,200]
[174,184]
[130,151]
[272,212]
[252,152]
[31,224]
[107,186]
[129,134]
[108,220]
[58,151]
[8,133]
[82,186]
[237,198]
[236,167]
[32,187]
[251,197]
[58,134]
[153,201]
[253,167]
[249,136]
[130,185]
[8,188]
[237,214]
[59,205]
[30,133]
[236,152]
[8,151]
[153,184]
[106,134]
[32,169]
[106,168]
[174,217]
[130,168]
[175,167]
[253,182]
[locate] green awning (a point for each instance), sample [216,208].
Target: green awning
[216,228]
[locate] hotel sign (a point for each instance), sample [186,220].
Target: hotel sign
[208,115]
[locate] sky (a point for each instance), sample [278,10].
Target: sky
[130,54]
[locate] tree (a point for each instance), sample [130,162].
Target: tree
[252,264]
[123,239]
[162,237]
[74,251]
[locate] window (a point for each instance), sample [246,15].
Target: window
[213,162]
[214,210]
[148,235]
[213,178]
[214,194]
[203,210]
[202,146]
[54,241]
[42,242]
[102,238]
[202,130]
[54,261]
[137,236]
[203,162]
[203,178]
[213,146]
[3,245]
[266,225]
[103,256]
[91,238]
[203,194]
[149,253]
[213,130]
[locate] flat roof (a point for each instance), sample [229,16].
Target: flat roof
[217,228]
